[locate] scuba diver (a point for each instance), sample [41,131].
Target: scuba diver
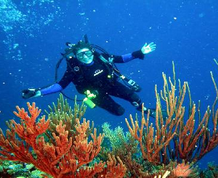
[94,74]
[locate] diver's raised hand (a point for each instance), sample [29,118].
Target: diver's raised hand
[148,48]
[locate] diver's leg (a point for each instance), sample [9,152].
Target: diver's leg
[121,91]
[124,92]
[106,102]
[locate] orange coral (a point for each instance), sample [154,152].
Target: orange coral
[113,169]
[60,157]
[182,170]
[151,141]
[175,137]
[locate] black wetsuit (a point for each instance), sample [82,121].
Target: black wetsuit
[94,77]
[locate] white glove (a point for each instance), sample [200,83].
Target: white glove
[147,48]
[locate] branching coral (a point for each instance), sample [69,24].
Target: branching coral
[123,145]
[64,156]
[210,172]
[119,140]
[63,111]
[175,137]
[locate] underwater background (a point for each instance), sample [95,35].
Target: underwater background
[34,33]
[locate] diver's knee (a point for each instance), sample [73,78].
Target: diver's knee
[119,111]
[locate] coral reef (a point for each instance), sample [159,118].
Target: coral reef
[124,146]
[62,111]
[210,172]
[65,145]
[9,169]
[175,137]
[59,156]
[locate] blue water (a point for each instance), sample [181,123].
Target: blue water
[34,33]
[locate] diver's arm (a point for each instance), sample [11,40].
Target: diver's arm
[147,48]
[32,92]
[51,89]
[54,88]
[130,56]
[62,84]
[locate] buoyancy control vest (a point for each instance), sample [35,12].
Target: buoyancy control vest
[104,58]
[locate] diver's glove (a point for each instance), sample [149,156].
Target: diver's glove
[30,93]
[152,111]
[148,48]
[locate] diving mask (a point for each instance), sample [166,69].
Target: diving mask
[85,55]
